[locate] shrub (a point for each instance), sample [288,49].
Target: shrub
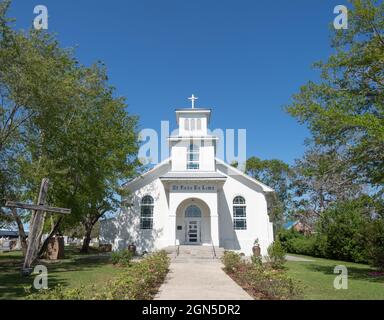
[272,284]
[277,254]
[57,293]
[342,226]
[231,261]
[287,236]
[256,261]
[259,280]
[375,243]
[122,257]
[139,281]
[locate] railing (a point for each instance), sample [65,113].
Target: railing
[213,250]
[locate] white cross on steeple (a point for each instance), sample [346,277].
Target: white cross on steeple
[193,98]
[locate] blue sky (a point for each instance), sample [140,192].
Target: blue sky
[245,58]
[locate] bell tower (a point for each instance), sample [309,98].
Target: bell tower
[193,149]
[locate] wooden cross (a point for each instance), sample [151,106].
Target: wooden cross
[36,223]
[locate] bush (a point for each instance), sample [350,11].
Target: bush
[260,280]
[256,261]
[57,293]
[122,257]
[272,284]
[139,281]
[342,226]
[231,261]
[277,254]
[375,243]
[287,236]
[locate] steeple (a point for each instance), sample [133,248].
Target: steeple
[193,149]
[193,121]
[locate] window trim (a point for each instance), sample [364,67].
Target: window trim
[239,202]
[149,218]
[193,216]
[193,164]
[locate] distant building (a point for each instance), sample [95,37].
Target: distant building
[298,226]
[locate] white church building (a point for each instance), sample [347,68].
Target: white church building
[192,198]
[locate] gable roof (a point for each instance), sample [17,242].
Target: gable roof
[216,175]
[147,173]
[236,171]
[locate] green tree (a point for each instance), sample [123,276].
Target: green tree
[321,178]
[342,225]
[63,121]
[277,175]
[346,108]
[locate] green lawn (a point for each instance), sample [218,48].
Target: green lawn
[74,271]
[317,278]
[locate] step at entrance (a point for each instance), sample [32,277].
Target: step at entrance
[195,252]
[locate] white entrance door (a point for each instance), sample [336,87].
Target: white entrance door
[193,231]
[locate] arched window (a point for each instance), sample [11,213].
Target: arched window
[193,154]
[239,213]
[146,213]
[192,124]
[193,212]
[186,124]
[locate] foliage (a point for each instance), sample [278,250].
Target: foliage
[256,260]
[349,230]
[375,243]
[345,109]
[342,226]
[260,280]
[59,292]
[276,174]
[138,281]
[285,235]
[141,280]
[64,121]
[321,178]
[122,257]
[308,245]
[276,253]
[231,261]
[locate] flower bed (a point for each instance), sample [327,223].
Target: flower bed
[261,281]
[137,281]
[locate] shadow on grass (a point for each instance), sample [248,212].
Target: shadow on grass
[12,284]
[353,272]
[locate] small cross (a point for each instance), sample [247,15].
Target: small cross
[193,98]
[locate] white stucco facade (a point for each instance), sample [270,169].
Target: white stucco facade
[192,198]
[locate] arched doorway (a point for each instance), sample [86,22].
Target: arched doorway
[193,225]
[192,217]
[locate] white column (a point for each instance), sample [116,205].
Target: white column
[171,229]
[215,223]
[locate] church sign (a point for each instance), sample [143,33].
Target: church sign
[193,187]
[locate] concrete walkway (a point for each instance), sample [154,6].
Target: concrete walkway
[203,279]
[294,258]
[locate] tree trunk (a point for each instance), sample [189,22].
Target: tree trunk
[22,235]
[53,231]
[87,238]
